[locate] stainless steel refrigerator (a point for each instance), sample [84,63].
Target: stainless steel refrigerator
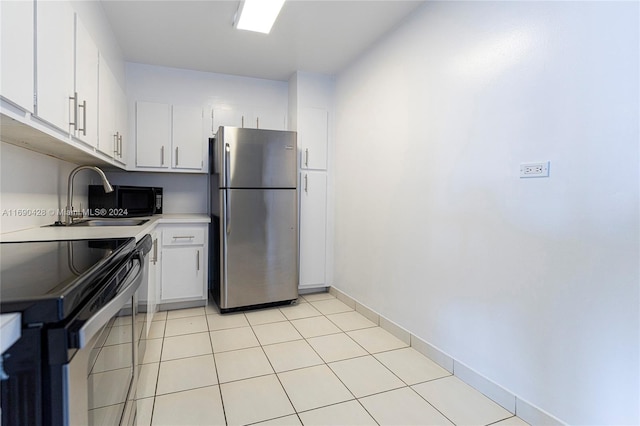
[254,217]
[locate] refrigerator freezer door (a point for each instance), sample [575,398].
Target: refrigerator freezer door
[260,234]
[254,158]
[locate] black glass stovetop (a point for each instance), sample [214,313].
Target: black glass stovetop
[48,280]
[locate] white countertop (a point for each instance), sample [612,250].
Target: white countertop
[49,233]
[9,330]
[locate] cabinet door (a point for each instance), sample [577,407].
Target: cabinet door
[153,134]
[121,117]
[86,85]
[187,138]
[270,120]
[227,117]
[54,74]
[313,138]
[107,135]
[16,47]
[154,275]
[182,273]
[313,228]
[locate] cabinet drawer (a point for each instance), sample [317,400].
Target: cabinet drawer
[183,236]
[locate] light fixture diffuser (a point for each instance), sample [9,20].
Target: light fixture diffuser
[258,15]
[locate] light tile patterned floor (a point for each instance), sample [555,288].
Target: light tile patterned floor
[315,363]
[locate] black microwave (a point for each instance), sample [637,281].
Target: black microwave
[124,201]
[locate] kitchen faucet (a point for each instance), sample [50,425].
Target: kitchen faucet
[69,213]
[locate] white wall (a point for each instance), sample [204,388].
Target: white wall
[532,283]
[33,187]
[185,87]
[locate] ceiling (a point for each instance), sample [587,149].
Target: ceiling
[320,36]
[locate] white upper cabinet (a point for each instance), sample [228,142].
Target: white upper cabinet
[17,48]
[227,117]
[86,73]
[49,81]
[153,134]
[247,117]
[55,67]
[187,138]
[170,137]
[122,123]
[67,72]
[111,107]
[107,138]
[269,119]
[313,138]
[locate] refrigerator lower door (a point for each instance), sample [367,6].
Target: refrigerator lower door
[259,247]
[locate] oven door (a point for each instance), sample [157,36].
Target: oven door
[100,380]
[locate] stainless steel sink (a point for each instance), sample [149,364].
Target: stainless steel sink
[110,222]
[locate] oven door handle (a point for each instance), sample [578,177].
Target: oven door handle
[102,317]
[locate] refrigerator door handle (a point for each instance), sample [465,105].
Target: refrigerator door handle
[227,205]
[223,253]
[227,165]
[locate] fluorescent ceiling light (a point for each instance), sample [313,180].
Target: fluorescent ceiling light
[258,15]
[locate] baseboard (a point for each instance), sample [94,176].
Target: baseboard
[310,290]
[182,305]
[501,396]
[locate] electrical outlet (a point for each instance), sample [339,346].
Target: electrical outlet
[531,170]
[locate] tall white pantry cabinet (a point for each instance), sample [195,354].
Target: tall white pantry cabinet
[310,109]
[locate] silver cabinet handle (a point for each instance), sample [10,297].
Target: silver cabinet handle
[197,260]
[213,132]
[115,144]
[74,98]
[176,156]
[120,146]
[242,122]
[188,237]
[162,155]
[257,122]
[84,118]
[306,182]
[306,157]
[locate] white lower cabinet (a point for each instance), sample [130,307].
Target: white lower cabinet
[313,229]
[184,263]
[148,292]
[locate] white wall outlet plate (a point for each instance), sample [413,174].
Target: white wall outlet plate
[532,170]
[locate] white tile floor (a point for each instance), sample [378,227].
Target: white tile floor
[315,363]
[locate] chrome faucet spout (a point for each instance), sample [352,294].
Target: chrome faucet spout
[69,213]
